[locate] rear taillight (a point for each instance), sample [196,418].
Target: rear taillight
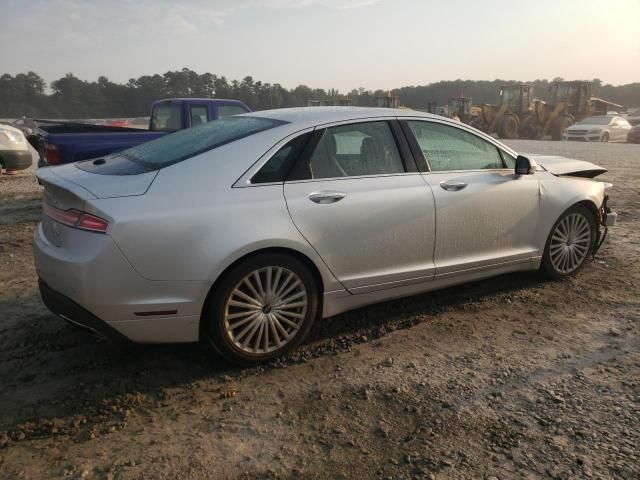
[53,154]
[76,219]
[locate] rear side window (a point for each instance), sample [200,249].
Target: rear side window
[227,110]
[199,114]
[166,117]
[193,141]
[449,148]
[278,166]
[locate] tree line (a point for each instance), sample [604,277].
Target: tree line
[70,97]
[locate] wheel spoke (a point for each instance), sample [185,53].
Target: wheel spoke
[279,327]
[285,320]
[248,306]
[274,330]
[290,288]
[276,280]
[246,297]
[291,297]
[284,284]
[290,314]
[558,235]
[256,276]
[265,335]
[248,329]
[258,337]
[269,270]
[247,318]
[257,324]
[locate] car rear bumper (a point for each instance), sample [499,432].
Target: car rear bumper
[97,288]
[73,313]
[15,159]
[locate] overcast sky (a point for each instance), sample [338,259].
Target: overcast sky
[325,43]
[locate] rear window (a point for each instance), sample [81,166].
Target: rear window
[193,141]
[166,117]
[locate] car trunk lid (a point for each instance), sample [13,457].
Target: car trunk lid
[97,183]
[567,166]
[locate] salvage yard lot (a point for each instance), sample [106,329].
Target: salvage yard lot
[511,377]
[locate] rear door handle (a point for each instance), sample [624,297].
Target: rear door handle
[326,196]
[452,185]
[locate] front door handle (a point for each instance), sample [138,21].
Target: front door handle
[452,185]
[326,196]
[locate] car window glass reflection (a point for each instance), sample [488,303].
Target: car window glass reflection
[448,148]
[355,150]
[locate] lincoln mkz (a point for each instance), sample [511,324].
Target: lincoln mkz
[242,232]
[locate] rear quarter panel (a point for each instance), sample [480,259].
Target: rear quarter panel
[192,223]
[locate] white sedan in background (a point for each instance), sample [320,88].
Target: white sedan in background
[603,128]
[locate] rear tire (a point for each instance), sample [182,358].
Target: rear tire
[263,308]
[570,242]
[605,137]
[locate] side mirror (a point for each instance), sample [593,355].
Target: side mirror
[523,165]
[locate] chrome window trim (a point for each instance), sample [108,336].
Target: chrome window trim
[355,177]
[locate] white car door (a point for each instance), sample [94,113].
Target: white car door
[367,212]
[486,215]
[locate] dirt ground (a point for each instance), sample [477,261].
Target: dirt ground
[513,377]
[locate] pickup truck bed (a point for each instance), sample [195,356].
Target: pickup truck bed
[66,142]
[70,142]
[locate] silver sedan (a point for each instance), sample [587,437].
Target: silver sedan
[244,231]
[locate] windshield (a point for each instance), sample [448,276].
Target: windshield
[595,121]
[511,96]
[563,92]
[193,141]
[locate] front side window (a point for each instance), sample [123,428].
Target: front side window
[449,148]
[166,118]
[199,114]
[228,110]
[188,143]
[354,150]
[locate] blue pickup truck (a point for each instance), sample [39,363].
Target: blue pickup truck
[66,142]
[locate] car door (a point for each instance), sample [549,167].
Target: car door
[485,214]
[363,206]
[622,128]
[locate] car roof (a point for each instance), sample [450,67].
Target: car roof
[310,116]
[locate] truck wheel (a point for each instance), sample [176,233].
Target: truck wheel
[559,125]
[508,127]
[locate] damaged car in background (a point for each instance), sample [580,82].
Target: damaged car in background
[242,232]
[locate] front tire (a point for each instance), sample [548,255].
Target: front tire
[508,127]
[570,242]
[263,308]
[559,125]
[605,137]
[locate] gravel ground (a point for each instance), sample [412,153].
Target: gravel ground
[513,377]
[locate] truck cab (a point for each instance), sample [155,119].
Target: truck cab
[174,114]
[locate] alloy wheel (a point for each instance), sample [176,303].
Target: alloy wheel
[265,310]
[570,243]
